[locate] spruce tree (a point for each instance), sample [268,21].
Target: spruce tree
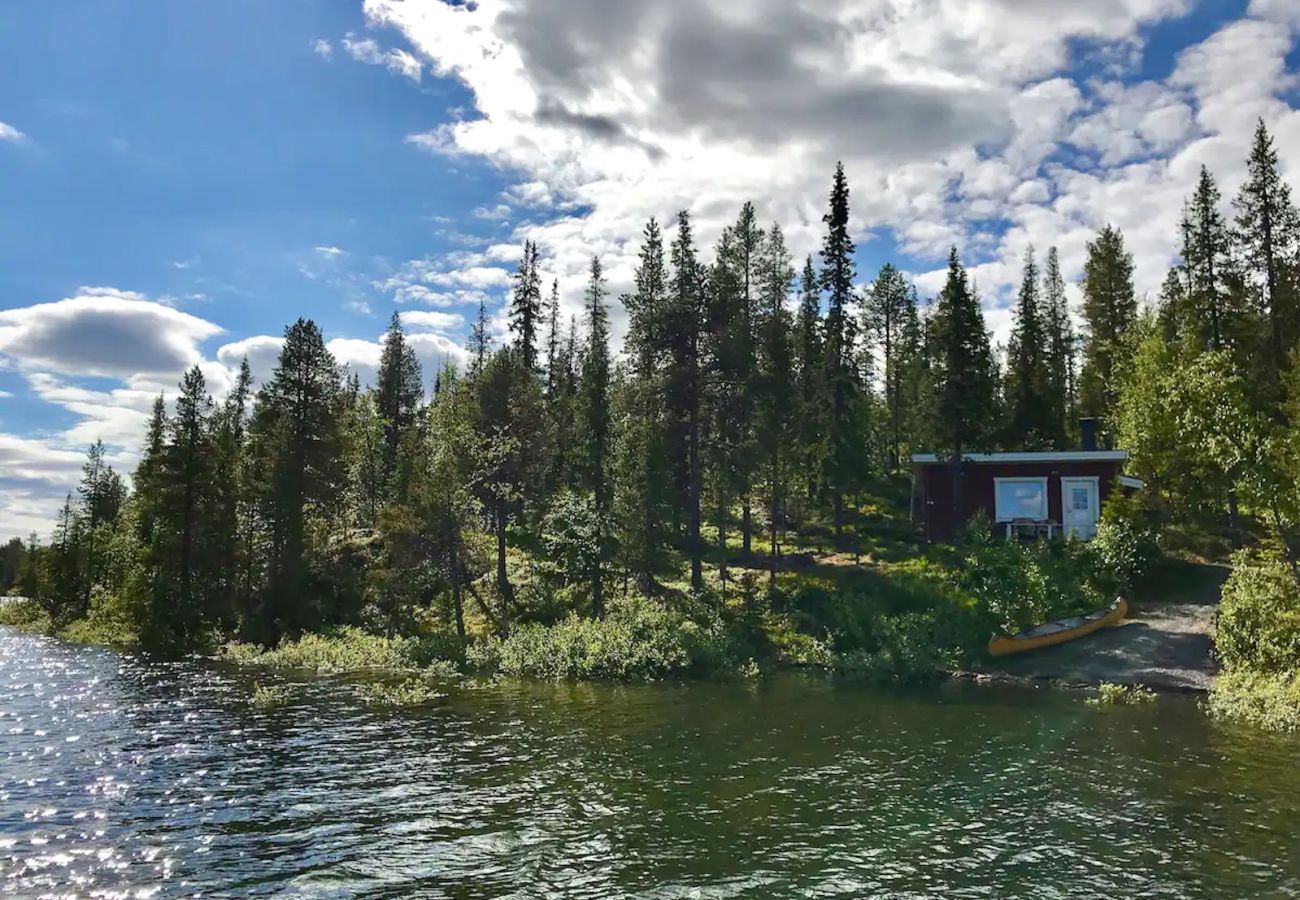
[775,389]
[597,423]
[553,338]
[1031,417]
[1109,309]
[963,374]
[843,464]
[187,509]
[1267,235]
[480,342]
[685,388]
[1207,258]
[399,390]
[1059,346]
[885,311]
[297,445]
[526,306]
[810,378]
[643,463]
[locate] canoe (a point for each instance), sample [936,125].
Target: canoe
[1058,632]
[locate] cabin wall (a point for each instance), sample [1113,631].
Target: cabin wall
[977,483]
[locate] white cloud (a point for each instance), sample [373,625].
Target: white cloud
[10,133]
[400,62]
[322,48]
[262,352]
[330,252]
[431,320]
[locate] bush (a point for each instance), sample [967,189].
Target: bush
[1267,700]
[639,641]
[411,692]
[345,649]
[25,615]
[1259,618]
[110,621]
[1018,585]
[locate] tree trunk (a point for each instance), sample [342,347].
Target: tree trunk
[457,600]
[746,528]
[504,591]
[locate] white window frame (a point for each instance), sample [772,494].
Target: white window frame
[997,488]
[1065,500]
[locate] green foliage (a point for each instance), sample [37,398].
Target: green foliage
[1269,700]
[26,615]
[269,696]
[1259,618]
[1121,695]
[346,649]
[112,620]
[408,692]
[1025,584]
[638,641]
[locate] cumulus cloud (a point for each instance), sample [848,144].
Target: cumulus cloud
[959,121]
[431,320]
[103,332]
[10,133]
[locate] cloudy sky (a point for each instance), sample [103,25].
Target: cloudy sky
[180,180]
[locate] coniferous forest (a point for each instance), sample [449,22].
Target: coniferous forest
[743,461]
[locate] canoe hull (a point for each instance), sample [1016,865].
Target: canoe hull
[1001,645]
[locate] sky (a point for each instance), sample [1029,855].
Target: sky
[180,181]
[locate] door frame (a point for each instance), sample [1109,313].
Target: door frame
[1095,481]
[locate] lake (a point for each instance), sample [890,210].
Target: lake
[120,774]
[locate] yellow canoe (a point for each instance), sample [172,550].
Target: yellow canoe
[1058,632]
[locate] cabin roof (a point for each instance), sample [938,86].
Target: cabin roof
[1030,456]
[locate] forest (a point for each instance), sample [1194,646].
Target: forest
[733,484]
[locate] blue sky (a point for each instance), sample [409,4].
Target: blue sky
[180,180]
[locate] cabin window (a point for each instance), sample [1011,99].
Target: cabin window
[1020,498]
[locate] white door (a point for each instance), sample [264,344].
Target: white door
[1079,507]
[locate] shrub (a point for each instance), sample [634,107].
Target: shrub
[1267,700]
[345,649]
[266,697]
[110,621]
[25,615]
[411,692]
[638,641]
[1124,553]
[1259,618]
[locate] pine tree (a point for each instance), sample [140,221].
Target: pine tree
[1059,345]
[1267,235]
[1031,418]
[1109,309]
[526,306]
[297,446]
[844,464]
[596,420]
[885,312]
[775,389]
[233,518]
[963,373]
[398,391]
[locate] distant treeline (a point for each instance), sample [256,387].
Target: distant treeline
[733,418]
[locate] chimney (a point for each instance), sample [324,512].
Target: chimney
[1088,434]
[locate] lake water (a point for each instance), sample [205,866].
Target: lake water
[121,776]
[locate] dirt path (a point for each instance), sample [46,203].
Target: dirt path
[1164,645]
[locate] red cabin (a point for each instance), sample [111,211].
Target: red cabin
[1053,493]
